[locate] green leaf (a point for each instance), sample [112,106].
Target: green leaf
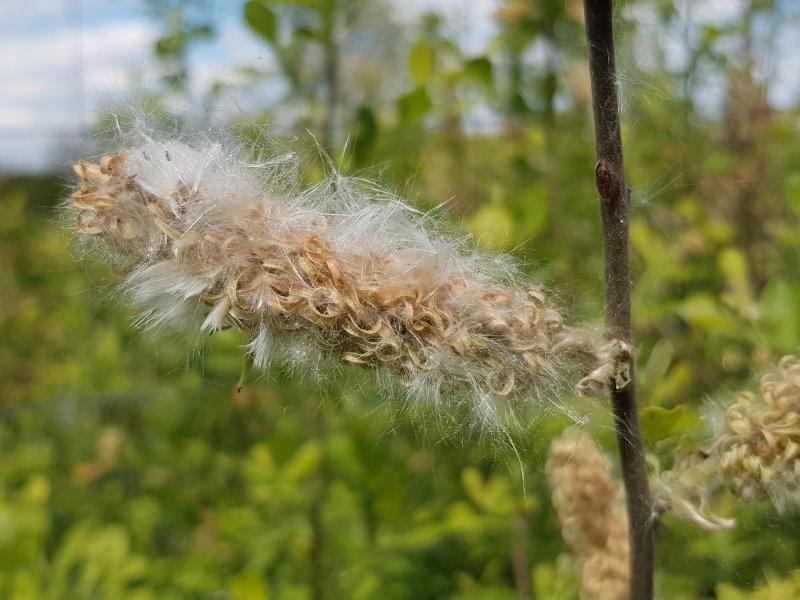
[672,386]
[791,189]
[414,105]
[201,32]
[473,484]
[248,586]
[13,210]
[726,591]
[710,34]
[308,33]
[493,226]
[304,463]
[780,311]
[703,312]
[535,209]
[657,364]
[170,46]
[554,583]
[659,423]
[479,70]
[733,264]
[366,132]
[261,19]
[421,62]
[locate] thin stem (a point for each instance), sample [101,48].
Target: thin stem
[332,82]
[614,206]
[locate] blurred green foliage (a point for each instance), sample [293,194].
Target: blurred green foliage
[131,468]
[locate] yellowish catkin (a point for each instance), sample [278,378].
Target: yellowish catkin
[266,266]
[592,518]
[755,452]
[759,446]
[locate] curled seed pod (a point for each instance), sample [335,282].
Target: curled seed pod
[340,267]
[592,519]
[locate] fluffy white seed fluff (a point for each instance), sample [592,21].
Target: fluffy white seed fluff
[338,273]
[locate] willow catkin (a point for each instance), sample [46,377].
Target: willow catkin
[339,271]
[755,452]
[758,447]
[593,521]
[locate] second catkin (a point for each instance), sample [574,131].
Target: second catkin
[592,518]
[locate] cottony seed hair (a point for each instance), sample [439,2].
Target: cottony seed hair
[340,271]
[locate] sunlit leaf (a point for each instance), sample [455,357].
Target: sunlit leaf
[413,106]
[304,463]
[479,70]
[672,386]
[366,133]
[493,226]
[657,364]
[659,423]
[791,189]
[249,586]
[421,62]
[261,19]
[780,310]
[733,265]
[535,207]
[703,312]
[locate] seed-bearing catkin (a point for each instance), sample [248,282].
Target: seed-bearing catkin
[592,518]
[755,452]
[759,444]
[339,270]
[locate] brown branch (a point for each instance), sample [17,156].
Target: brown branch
[614,205]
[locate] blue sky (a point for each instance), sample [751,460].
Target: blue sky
[62,60]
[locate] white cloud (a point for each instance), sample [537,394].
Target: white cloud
[60,76]
[235,46]
[16,13]
[713,12]
[63,73]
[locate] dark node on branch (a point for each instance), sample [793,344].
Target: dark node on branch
[607,181]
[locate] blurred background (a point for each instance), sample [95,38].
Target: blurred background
[129,465]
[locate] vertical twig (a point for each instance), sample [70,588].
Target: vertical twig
[614,205]
[332,82]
